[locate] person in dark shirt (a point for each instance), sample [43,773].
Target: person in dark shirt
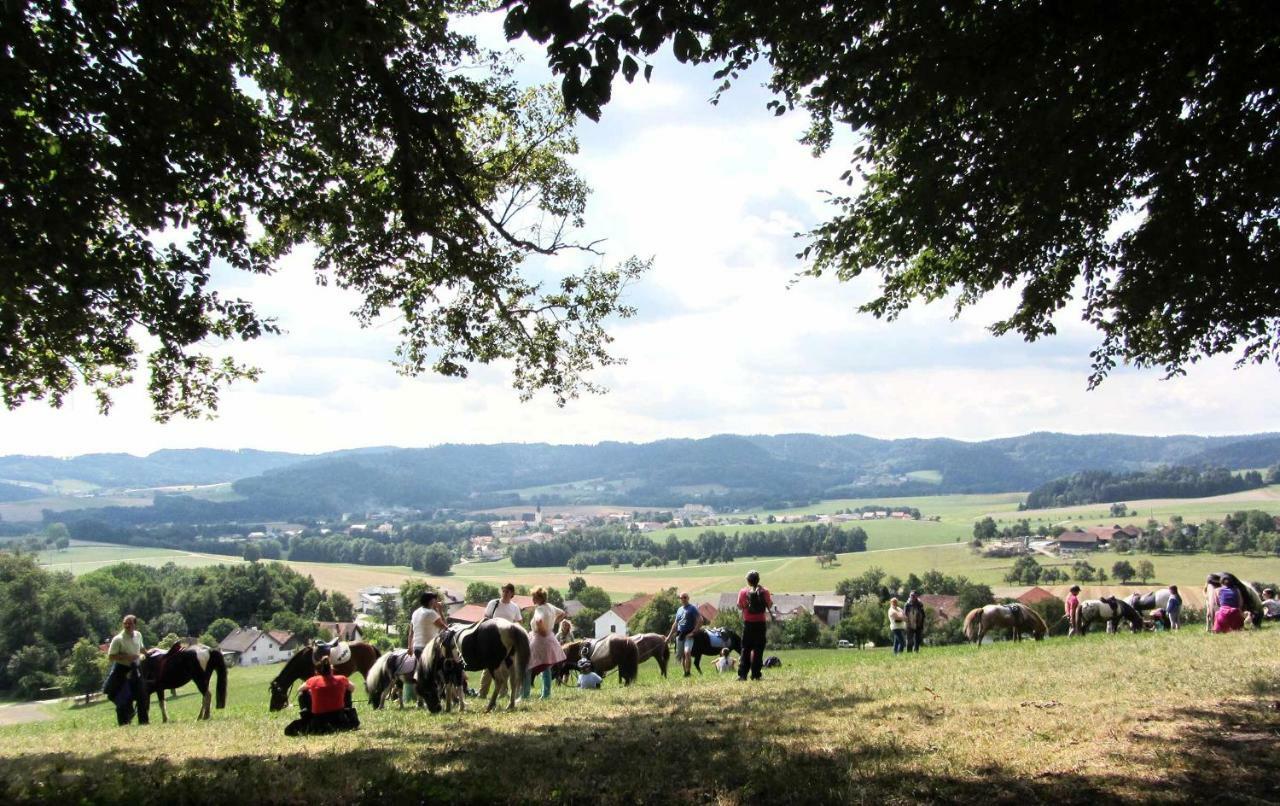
[756,605]
[687,619]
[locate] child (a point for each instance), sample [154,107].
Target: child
[724,663]
[587,677]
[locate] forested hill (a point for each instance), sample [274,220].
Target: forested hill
[723,471]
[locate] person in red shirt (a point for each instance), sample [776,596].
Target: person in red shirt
[756,605]
[325,701]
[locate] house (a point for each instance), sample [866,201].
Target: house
[828,607]
[1076,541]
[249,646]
[614,620]
[708,612]
[944,607]
[467,614]
[370,599]
[342,630]
[572,607]
[285,640]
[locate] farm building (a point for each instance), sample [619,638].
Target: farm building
[249,646]
[614,620]
[342,630]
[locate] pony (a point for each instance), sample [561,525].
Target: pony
[652,645]
[1156,600]
[183,664]
[606,654]
[498,645]
[1250,599]
[303,665]
[1017,617]
[703,645]
[387,676]
[1110,610]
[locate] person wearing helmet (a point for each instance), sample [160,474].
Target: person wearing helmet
[587,677]
[756,605]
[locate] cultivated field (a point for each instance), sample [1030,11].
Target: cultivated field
[1063,721]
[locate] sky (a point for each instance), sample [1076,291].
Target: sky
[726,339]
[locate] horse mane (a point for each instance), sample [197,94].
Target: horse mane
[375,682]
[1040,628]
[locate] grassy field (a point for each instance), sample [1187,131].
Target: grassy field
[1053,722]
[898,547]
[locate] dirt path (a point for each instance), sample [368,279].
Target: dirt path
[22,713]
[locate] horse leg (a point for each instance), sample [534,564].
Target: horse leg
[164,712]
[204,706]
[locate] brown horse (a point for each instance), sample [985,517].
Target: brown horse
[303,664]
[652,645]
[608,653]
[1017,617]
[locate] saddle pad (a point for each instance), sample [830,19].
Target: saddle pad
[717,638]
[202,656]
[402,664]
[340,653]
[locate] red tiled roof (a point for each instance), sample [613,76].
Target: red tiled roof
[1036,594]
[627,609]
[708,611]
[468,614]
[281,637]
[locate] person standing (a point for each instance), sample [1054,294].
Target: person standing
[565,634]
[503,607]
[915,621]
[125,684]
[897,625]
[1073,611]
[424,625]
[756,604]
[1173,608]
[1229,617]
[544,650]
[687,619]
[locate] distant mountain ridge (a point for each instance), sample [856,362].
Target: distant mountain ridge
[724,470]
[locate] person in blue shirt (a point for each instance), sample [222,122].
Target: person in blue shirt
[687,620]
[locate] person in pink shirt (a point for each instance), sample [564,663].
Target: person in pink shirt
[1073,611]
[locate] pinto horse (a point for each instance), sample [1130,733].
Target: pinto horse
[183,664]
[606,654]
[702,645]
[652,645]
[498,645]
[387,676]
[1108,610]
[303,665]
[1016,617]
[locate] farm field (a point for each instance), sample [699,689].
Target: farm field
[1003,724]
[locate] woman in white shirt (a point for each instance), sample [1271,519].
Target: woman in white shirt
[544,649]
[424,625]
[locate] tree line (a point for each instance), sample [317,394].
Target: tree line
[581,548]
[48,618]
[1102,486]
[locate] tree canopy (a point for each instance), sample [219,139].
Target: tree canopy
[144,147]
[1119,153]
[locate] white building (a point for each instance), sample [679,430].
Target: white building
[250,646]
[614,620]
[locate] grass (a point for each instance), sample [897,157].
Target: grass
[1048,722]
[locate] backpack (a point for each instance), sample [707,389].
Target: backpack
[755,600]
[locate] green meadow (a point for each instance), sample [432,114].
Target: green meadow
[1062,721]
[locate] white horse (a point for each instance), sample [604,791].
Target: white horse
[388,676]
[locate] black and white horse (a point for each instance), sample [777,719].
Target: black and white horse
[496,645]
[1108,610]
[388,676]
[186,664]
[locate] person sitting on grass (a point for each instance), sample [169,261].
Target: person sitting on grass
[724,663]
[587,677]
[325,701]
[1270,605]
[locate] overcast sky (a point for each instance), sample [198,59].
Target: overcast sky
[723,342]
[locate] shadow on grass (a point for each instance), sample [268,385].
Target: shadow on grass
[689,750]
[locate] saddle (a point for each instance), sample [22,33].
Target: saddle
[1015,613]
[717,638]
[338,652]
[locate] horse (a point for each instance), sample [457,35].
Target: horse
[1250,600]
[652,645]
[183,664]
[303,665]
[1017,617]
[1108,609]
[1156,600]
[387,676]
[606,654]
[495,644]
[702,645]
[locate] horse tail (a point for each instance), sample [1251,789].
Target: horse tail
[971,623]
[375,682]
[628,663]
[220,669]
[520,649]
